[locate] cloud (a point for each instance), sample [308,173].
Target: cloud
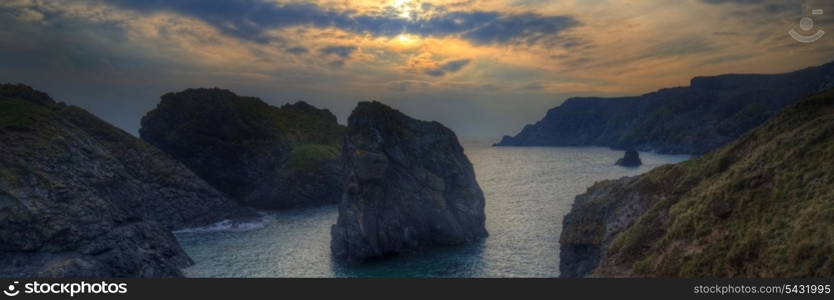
[680,47]
[298,50]
[406,85]
[732,1]
[340,51]
[251,19]
[534,86]
[117,56]
[526,28]
[761,9]
[30,15]
[448,67]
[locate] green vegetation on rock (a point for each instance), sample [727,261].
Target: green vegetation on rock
[308,156]
[19,114]
[261,155]
[82,198]
[762,206]
[709,113]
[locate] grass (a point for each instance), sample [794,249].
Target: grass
[762,206]
[19,114]
[309,156]
[313,134]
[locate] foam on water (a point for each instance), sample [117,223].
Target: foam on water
[231,225]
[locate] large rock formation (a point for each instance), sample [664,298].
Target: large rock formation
[260,155]
[708,114]
[630,159]
[758,207]
[79,197]
[410,187]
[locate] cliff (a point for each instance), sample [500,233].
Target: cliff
[261,155]
[79,197]
[758,207]
[708,114]
[410,187]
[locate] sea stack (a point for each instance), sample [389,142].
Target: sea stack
[409,187]
[631,159]
[260,155]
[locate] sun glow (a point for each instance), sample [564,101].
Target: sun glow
[404,7]
[406,39]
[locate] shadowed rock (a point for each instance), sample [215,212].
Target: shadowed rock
[631,159]
[758,207]
[258,154]
[410,187]
[708,114]
[81,198]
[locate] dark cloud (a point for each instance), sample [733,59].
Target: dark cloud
[249,19]
[762,9]
[298,50]
[527,28]
[449,67]
[340,51]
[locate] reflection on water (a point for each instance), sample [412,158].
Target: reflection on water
[527,190]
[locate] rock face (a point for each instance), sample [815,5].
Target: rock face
[259,155]
[631,159]
[758,207]
[410,187]
[708,114]
[79,197]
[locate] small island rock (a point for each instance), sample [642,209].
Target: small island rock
[631,159]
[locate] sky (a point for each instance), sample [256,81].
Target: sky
[483,68]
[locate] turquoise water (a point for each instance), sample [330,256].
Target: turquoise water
[528,191]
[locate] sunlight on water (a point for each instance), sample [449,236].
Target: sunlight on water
[528,191]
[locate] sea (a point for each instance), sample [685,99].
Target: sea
[527,190]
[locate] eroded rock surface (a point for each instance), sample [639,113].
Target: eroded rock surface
[410,187]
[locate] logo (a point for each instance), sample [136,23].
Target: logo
[12,290]
[807,24]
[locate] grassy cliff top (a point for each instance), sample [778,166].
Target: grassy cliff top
[762,206]
[300,122]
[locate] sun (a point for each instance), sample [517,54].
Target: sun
[406,39]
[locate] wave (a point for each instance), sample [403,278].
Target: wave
[229,225]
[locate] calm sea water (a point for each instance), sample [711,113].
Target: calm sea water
[528,191]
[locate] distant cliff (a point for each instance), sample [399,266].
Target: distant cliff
[410,187]
[710,113]
[81,198]
[260,155]
[762,206]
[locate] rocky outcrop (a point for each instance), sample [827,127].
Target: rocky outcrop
[631,159]
[410,187]
[81,198]
[258,154]
[758,207]
[708,114]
